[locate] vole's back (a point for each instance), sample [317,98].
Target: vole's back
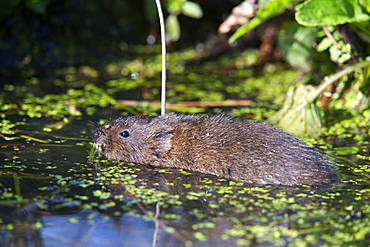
[244,151]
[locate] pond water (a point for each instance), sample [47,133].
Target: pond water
[55,193]
[53,196]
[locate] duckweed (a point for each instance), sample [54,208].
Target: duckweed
[58,181]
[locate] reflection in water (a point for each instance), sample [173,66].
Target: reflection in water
[97,231]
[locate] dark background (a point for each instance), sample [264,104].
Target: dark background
[44,35]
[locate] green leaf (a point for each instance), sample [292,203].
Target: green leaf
[173,30]
[296,43]
[366,4]
[192,10]
[174,6]
[323,13]
[339,52]
[299,116]
[313,118]
[265,12]
[324,44]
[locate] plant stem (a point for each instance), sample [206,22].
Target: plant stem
[163,39]
[328,81]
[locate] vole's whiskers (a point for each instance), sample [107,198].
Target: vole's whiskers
[93,123]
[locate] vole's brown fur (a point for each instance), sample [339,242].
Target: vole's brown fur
[243,151]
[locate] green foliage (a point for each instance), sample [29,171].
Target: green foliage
[191,9]
[297,42]
[85,90]
[173,29]
[264,13]
[7,128]
[301,116]
[175,8]
[314,13]
[298,115]
[340,52]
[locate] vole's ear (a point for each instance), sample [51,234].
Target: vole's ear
[164,138]
[163,133]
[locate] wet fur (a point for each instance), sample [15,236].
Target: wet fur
[243,151]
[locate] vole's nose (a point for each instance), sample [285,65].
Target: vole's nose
[96,135]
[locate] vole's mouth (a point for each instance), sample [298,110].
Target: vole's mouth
[99,147]
[98,144]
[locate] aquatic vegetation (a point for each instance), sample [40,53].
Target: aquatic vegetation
[46,175]
[52,184]
[301,40]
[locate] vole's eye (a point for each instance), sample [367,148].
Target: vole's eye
[125,133]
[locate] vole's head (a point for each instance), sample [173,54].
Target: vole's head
[142,140]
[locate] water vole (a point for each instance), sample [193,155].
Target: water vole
[243,151]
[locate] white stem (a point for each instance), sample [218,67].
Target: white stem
[163,38]
[328,81]
[156,222]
